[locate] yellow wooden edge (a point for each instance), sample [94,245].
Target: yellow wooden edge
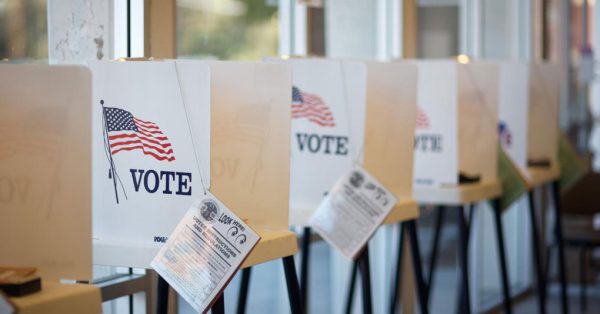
[406,209]
[457,194]
[56,297]
[273,244]
[536,177]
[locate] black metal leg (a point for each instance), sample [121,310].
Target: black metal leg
[244,287]
[582,278]
[411,228]
[562,271]
[549,251]
[463,259]
[502,256]
[470,221]
[292,285]
[219,305]
[365,276]
[439,222]
[162,296]
[536,255]
[304,267]
[394,298]
[351,287]
[461,305]
[131,295]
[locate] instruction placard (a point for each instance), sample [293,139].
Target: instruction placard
[350,214]
[204,252]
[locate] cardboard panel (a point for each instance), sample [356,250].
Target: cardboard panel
[45,176]
[390,123]
[478,120]
[513,110]
[436,131]
[250,140]
[156,118]
[328,110]
[544,97]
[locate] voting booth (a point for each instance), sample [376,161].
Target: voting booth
[327,128]
[389,132]
[45,216]
[456,144]
[151,154]
[456,130]
[528,126]
[250,150]
[529,133]
[46,184]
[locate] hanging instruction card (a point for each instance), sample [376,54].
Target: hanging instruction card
[350,214]
[204,252]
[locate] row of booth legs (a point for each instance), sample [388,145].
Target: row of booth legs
[298,291]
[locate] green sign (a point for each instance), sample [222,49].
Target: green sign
[572,167]
[513,183]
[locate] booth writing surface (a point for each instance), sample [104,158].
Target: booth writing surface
[45,169]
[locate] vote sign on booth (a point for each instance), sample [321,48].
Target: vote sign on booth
[456,127]
[149,160]
[328,117]
[513,110]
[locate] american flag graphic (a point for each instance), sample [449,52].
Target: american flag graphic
[422,119]
[126,132]
[311,107]
[504,134]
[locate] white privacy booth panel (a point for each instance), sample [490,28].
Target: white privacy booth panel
[542,135]
[45,162]
[328,117]
[151,148]
[513,110]
[455,133]
[389,132]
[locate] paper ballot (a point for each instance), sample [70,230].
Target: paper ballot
[204,252]
[354,208]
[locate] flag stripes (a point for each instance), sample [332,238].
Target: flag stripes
[127,133]
[311,107]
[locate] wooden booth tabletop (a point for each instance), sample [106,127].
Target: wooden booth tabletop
[273,244]
[536,176]
[60,298]
[458,194]
[405,209]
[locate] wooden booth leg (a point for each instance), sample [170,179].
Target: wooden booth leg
[394,297]
[351,287]
[293,287]
[162,296]
[463,259]
[411,229]
[561,249]
[219,305]
[502,256]
[304,267]
[541,290]
[244,287]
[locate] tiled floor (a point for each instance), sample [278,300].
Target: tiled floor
[553,303]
